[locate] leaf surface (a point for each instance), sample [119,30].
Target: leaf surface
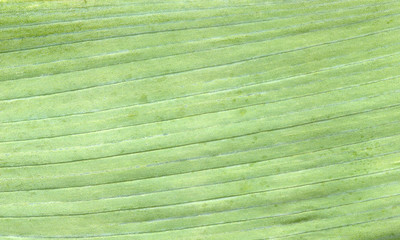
[214,120]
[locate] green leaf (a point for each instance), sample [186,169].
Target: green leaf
[213,120]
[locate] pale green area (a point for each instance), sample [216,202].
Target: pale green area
[214,120]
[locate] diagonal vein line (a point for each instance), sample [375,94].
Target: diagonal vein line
[213,17]
[224,90]
[164,163]
[224,36]
[230,166]
[274,80]
[189,144]
[342,226]
[262,3]
[192,187]
[127,15]
[277,189]
[281,100]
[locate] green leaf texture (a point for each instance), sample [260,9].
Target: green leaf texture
[200,119]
